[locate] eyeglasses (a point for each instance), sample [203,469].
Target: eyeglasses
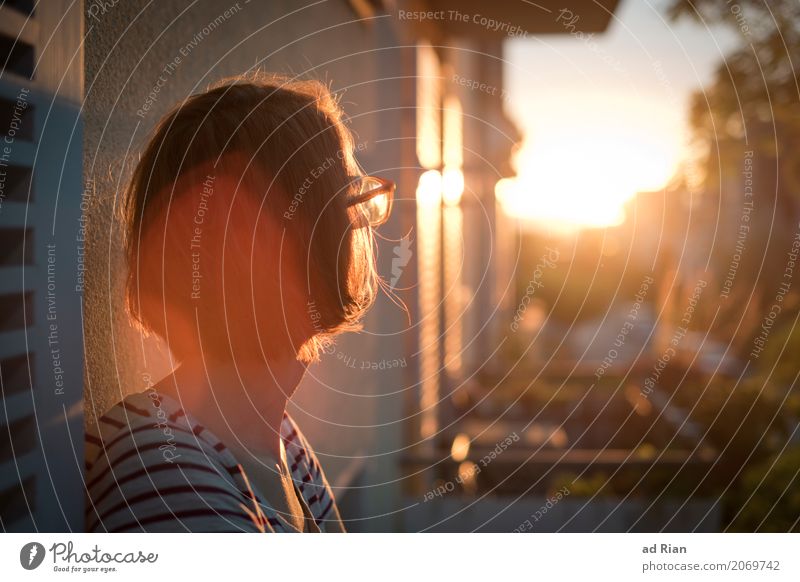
[374,199]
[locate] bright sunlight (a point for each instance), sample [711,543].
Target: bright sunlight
[582,177]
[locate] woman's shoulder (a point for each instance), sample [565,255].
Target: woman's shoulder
[151,466]
[144,416]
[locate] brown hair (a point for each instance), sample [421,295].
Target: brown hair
[239,239]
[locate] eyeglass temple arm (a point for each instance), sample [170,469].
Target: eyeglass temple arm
[386,187]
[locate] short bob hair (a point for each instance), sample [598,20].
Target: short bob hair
[239,239]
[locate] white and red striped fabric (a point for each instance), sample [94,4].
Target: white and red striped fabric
[152,467]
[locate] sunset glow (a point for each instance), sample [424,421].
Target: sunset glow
[582,177]
[602,121]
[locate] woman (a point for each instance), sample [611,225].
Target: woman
[249,244]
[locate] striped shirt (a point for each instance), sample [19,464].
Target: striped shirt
[152,467]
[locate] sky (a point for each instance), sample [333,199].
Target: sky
[605,117]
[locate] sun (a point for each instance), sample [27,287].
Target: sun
[570,178]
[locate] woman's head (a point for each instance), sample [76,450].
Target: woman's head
[241,243]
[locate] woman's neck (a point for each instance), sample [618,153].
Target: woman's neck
[242,403]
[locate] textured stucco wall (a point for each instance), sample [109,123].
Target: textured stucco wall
[128,46]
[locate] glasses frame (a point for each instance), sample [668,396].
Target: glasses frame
[385,187]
